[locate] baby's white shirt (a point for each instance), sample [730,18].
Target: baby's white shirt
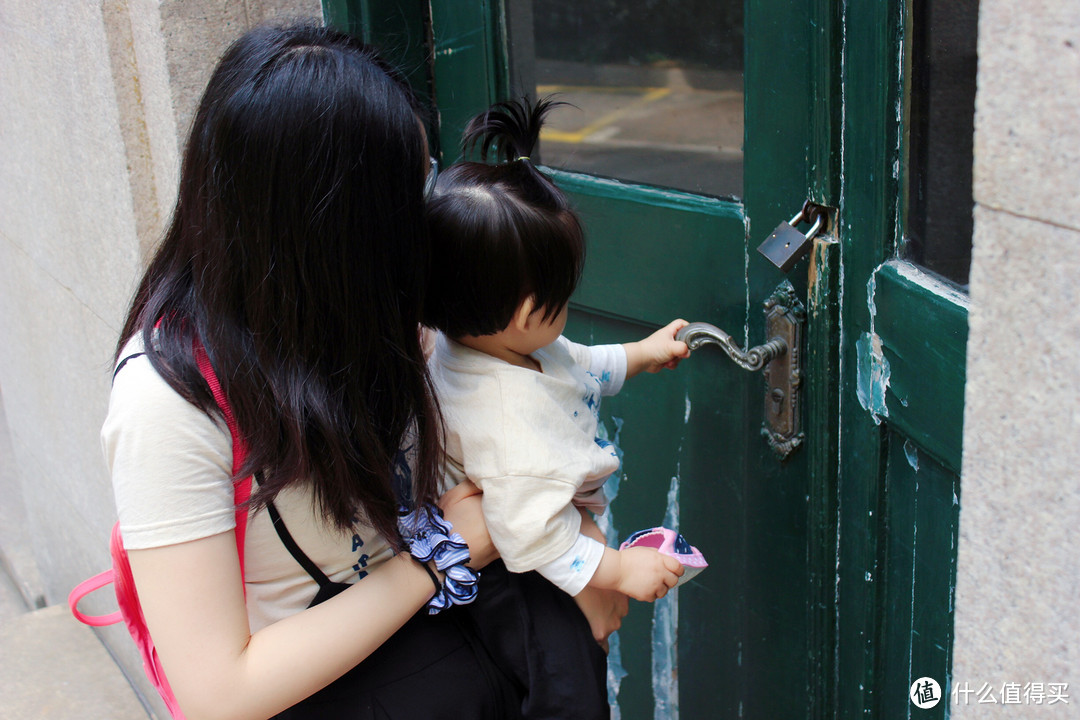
[529,440]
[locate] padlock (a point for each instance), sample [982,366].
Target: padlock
[785,246]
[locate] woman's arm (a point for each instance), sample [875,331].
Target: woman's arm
[193,600]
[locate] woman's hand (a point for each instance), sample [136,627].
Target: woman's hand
[461,506]
[604,609]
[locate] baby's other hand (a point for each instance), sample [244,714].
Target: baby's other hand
[604,609]
[646,575]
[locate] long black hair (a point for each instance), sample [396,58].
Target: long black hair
[297,255]
[501,232]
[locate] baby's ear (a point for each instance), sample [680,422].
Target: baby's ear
[523,319]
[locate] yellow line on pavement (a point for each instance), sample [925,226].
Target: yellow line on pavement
[560,136]
[651,95]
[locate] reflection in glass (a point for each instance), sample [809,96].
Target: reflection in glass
[657,85]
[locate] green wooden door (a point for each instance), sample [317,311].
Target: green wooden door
[831,572]
[903,350]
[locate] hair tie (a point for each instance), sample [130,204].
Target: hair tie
[429,537]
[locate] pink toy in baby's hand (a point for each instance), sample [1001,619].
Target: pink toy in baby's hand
[670,543]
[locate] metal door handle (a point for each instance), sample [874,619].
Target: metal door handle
[779,357]
[697,334]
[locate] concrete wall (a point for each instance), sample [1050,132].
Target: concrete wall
[94,100]
[1018,591]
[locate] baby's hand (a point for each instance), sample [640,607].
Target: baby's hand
[658,351]
[645,574]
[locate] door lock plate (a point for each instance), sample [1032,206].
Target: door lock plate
[785,316]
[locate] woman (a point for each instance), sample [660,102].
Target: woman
[296,258]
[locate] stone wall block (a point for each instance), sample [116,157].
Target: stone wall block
[1017,578]
[64,196]
[55,371]
[1026,113]
[197,32]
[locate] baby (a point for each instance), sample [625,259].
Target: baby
[520,405]
[520,401]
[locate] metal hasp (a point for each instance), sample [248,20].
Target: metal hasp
[780,358]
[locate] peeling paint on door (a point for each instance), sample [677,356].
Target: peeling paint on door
[615,674]
[873,376]
[911,451]
[606,522]
[665,632]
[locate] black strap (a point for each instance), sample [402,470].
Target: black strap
[120,365]
[287,540]
[327,589]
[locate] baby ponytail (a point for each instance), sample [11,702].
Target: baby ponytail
[509,130]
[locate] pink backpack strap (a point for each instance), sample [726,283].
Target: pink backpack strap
[85,588]
[242,488]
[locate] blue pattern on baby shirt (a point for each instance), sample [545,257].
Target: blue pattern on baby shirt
[591,399]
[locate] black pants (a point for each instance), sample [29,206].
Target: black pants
[433,668]
[521,651]
[539,637]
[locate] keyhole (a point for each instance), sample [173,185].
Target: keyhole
[777,397]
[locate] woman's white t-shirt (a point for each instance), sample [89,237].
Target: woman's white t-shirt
[171,470]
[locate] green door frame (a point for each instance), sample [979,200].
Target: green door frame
[898,528]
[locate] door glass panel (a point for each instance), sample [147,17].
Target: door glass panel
[941,130]
[657,85]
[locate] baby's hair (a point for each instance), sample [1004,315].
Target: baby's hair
[503,232]
[512,129]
